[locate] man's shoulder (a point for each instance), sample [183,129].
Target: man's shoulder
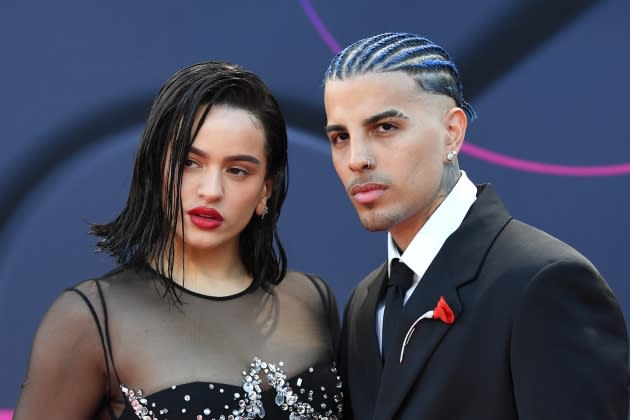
[360,291]
[371,277]
[375,272]
[520,244]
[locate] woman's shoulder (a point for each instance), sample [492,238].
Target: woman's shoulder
[117,278]
[308,287]
[69,308]
[309,291]
[70,321]
[299,279]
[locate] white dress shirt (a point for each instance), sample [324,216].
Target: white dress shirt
[429,239]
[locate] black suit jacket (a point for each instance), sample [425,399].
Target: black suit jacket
[537,334]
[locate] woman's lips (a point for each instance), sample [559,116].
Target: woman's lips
[205,218]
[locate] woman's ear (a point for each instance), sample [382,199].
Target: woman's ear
[262,208]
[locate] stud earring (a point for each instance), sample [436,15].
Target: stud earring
[451,155]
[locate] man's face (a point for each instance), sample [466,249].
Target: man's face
[406,133]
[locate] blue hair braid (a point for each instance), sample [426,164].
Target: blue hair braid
[428,63]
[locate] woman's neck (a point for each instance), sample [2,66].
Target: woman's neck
[216,272]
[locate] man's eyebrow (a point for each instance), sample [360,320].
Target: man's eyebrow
[385,114]
[334,127]
[232,158]
[371,120]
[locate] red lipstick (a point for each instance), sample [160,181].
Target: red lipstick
[205,218]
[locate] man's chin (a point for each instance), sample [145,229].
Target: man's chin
[375,222]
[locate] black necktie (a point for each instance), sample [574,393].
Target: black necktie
[400,279]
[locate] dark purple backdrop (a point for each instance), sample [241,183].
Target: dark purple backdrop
[548,80]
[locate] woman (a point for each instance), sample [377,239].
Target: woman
[201,319]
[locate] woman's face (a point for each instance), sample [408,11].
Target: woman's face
[224,179]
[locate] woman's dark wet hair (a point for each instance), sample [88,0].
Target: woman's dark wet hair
[144,230]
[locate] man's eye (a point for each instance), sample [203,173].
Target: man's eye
[341,137]
[386,127]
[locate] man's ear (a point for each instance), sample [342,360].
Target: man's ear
[455,122]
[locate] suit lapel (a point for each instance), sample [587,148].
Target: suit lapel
[457,263]
[367,342]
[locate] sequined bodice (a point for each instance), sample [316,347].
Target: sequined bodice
[312,394]
[255,354]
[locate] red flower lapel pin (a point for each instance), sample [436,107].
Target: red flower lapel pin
[441,312]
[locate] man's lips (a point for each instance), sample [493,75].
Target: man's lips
[205,218]
[367,193]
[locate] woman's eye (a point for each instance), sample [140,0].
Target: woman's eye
[189,163]
[238,171]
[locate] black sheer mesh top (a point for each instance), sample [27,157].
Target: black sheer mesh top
[255,354]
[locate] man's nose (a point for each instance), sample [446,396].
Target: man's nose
[361,158]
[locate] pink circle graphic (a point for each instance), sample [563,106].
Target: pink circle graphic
[480,152]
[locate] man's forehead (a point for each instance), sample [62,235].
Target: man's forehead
[381,88]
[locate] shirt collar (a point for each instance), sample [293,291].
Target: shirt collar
[442,223]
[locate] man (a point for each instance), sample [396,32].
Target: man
[494,318]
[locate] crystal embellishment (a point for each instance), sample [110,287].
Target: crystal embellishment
[297,403]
